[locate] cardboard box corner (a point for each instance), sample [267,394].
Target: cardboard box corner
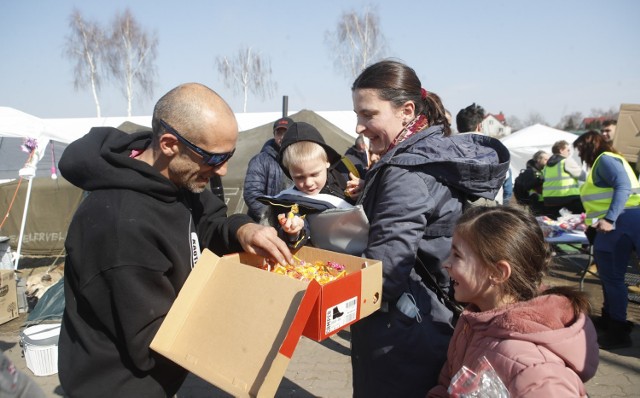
[8,296]
[627,138]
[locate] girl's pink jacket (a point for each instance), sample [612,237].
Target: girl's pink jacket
[537,348]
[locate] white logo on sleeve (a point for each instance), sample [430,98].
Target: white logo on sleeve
[195,249]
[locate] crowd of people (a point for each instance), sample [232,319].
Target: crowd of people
[148,214]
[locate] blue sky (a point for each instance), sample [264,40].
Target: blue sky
[547,56]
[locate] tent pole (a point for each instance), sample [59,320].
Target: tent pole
[22,224]
[29,172]
[285,105]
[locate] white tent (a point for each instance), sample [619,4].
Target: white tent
[14,123]
[524,143]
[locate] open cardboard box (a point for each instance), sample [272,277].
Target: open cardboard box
[237,326]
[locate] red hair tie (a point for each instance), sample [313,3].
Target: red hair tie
[423,93]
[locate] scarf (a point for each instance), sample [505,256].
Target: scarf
[414,126]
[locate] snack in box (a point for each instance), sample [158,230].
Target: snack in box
[322,271]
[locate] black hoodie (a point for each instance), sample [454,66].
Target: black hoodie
[129,251]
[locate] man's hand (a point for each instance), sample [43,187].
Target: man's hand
[264,241]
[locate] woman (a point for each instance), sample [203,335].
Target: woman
[412,197]
[611,198]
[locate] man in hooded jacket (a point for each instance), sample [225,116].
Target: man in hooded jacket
[137,235]
[264,175]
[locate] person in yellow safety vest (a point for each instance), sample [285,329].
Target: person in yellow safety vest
[561,175]
[611,197]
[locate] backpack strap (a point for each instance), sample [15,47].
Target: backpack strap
[430,281]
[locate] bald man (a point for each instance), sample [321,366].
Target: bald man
[137,235]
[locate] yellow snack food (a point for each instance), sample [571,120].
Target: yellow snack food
[293,212]
[320,271]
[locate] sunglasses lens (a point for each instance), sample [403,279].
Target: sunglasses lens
[219,158]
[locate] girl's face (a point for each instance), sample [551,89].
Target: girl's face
[311,176]
[378,119]
[470,277]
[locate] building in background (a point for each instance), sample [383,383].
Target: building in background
[495,126]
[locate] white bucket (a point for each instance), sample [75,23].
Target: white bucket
[40,346]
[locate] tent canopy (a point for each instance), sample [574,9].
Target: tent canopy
[250,142]
[524,143]
[55,201]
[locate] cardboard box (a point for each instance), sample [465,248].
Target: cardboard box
[237,326]
[627,138]
[8,296]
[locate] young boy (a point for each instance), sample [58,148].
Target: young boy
[317,186]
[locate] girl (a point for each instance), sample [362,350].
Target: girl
[539,340]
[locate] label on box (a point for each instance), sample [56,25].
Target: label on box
[341,314]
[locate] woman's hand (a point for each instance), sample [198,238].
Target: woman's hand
[603,226]
[354,186]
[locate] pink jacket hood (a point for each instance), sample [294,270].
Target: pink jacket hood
[536,347]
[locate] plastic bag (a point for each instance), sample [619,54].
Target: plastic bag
[483,382]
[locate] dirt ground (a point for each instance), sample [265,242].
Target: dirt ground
[618,373]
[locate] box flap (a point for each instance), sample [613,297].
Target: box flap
[371,288]
[236,326]
[8,296]
[627,138]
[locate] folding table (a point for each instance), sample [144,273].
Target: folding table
[577,240]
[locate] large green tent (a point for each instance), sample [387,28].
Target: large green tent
[250,143]
[53,202]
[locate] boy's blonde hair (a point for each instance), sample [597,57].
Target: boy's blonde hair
[301,152]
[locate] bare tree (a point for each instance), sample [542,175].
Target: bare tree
[85,45]
[612,113]
[535,118]
[132,53]
[247,72]
[570,122]
[356,42]
[515,124]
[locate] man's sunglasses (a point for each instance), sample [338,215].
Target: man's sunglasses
[209,158]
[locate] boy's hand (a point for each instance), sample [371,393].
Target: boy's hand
[291,224]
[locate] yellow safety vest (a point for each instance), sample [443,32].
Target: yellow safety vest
[597,200]
[559,183]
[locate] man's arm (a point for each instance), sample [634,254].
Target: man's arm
[237,232]
[574,169]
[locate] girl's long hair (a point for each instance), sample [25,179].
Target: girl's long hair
[512,234]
